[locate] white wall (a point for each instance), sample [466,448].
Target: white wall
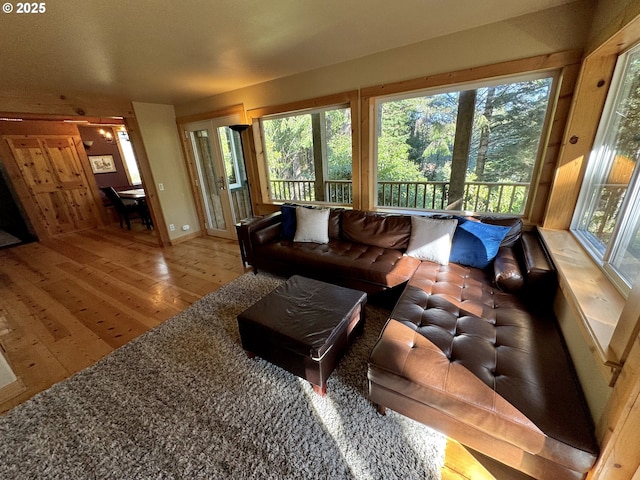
[553,30]
[160,135]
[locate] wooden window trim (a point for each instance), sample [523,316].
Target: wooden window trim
[609,320]
[254,116]
[566,63]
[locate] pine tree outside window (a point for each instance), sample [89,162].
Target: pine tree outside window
[472,149]
[309,155]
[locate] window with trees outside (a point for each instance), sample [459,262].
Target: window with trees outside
[471,150]
[607,219]
[309,155]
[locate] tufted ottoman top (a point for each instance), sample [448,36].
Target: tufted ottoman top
[477,354]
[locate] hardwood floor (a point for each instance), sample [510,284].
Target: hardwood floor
[68,302]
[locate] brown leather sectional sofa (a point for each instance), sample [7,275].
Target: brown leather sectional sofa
[475,353]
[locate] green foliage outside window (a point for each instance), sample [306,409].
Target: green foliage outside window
[416,142]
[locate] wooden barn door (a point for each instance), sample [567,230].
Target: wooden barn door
[52,181]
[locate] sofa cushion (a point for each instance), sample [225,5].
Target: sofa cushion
[339,261]
[312,225]
[431,239]
[376,229]
[476,244]
[289,223]
[514,224]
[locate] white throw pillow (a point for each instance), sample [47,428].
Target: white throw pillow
[312,225]
[431,239]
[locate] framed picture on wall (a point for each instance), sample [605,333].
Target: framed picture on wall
[102,163]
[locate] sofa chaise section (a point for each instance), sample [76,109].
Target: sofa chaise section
[473,362]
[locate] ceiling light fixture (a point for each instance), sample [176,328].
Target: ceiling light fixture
[108,136]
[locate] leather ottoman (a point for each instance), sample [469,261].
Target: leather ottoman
[303,326]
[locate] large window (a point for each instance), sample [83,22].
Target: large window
[607,219]
[309,155]
[471,150]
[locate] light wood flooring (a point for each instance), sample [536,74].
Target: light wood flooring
[66,303]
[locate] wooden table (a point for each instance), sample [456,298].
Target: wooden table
[134,194]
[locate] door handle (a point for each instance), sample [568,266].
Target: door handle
[221,183]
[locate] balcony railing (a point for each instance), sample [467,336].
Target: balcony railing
[335,191]
[478,196]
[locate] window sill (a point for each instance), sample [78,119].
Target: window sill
[589,292]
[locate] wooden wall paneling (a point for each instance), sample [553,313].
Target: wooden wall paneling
[628,326]
[38,105]
[538,199]
[93,194]
[356,154]
[618,430]
[587,105]
[367,151]
[261,163]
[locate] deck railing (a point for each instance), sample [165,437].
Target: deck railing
[478,196]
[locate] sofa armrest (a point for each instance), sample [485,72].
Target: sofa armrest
[263,222]
[507,272]
[540,275]
[266,234]
[247,233]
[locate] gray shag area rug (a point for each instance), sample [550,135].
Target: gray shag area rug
[184,401]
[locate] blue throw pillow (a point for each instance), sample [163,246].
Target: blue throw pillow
[476,244]
[288,213]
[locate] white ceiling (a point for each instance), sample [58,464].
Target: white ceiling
[177,51]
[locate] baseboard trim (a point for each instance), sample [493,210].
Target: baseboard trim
[184,238]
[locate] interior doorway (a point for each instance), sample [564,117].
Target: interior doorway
[55,144]
[15,228]
[220,174]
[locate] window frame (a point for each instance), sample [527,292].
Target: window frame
[348,100]
[477,83]
[593,172]
[324,148]
[565,65]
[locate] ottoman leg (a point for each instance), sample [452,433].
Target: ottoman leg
[320,389]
